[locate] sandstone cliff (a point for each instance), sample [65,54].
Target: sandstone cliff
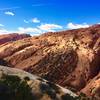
[69,58]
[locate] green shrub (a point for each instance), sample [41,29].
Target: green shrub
[13,88]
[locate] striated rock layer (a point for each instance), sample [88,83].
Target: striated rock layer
[70,58]
[12,37]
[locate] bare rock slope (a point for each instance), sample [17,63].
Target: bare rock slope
[25,86]
[70,58]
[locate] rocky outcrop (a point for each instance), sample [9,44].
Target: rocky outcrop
[12,37]
[69,58]
[93,87]
[18,83]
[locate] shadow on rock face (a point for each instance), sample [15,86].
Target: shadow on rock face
[4,63]
[13,88]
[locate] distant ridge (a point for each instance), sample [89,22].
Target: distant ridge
[12,37]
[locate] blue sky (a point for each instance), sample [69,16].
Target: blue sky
[37,16]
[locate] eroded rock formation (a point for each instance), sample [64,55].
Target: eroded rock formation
[69,58]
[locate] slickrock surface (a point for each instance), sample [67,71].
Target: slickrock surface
[68,58]
[40,88]
[12,37]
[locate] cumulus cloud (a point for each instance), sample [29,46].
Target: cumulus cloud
[40,29]
[34,30]
[76,26]
[4,31]
[49,27]
[1,25]
[9,13]
[22,30]
[35,20]
[29,30]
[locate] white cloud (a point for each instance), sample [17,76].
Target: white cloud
[25,21]
[10,8]
[6,31]
[22,30]
[34,30]
[29,30]
[9,13]
[1,25]
[49,27]
[3,31]
[39,29]
[76,26]
[35,20]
